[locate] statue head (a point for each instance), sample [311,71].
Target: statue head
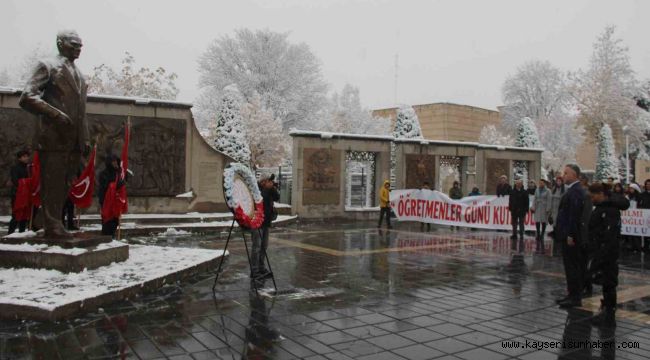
[69,44]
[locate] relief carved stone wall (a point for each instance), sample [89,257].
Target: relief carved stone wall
[494,169]
[156,151]
[322,176]
[419,168]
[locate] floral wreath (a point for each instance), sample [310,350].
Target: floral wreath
[243,196]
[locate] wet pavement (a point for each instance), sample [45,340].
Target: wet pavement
[352,291]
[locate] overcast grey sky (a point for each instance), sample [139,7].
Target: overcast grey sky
[455,51]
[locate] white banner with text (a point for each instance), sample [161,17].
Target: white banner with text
[484,212]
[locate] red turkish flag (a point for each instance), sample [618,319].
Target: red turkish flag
[22,209]
[81,191]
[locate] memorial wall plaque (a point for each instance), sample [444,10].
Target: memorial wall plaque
[321,176]
[419,168]
[495,168]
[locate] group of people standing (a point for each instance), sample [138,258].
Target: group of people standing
[586,219]
[22,169]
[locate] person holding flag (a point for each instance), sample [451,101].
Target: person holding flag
[112,190]
[81,192]
[19,182]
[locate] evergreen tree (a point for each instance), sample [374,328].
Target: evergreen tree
[407,126]
[230,135]
[606,165]
[527,134]
[527,137]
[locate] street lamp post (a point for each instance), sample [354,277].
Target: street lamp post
[627,156]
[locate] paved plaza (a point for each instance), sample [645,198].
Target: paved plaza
[352,291]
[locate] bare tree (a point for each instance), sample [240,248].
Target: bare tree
[266,141]
[286,76]
[129,81]
[17,75]
[536,91]
[493,135]
[5,78]
[346,115]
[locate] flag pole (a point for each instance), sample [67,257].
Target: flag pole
[31,214]
[119,217]
[119,227]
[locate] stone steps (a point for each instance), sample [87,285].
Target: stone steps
[161,220]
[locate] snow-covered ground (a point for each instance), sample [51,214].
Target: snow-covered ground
[50,289]
[44,248]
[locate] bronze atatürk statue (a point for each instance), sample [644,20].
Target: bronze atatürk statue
[56,92]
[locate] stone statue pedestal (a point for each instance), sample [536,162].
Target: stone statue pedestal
[84,251]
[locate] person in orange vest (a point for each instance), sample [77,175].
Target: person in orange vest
[384,204]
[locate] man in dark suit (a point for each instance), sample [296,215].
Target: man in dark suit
[56,93]
[568,229]
[519,204]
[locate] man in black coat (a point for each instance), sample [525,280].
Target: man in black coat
[503,188]
[17,172]
[518,204]
[569,232]
[260,238]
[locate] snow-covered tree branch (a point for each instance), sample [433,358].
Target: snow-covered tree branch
[286,76]
[129,81]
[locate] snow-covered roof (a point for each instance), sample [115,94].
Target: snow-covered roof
[501,147]
[139,101]
[115,98]
[330,135]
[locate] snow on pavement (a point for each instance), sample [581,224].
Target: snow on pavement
[49,289]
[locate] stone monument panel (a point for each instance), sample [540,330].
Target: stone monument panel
[420,168]
[156,151]
[321,176]
[495,168]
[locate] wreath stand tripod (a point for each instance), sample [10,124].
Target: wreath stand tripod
[248,256]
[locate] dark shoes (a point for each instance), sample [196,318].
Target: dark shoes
[562,299]
[606,318]
[570,303]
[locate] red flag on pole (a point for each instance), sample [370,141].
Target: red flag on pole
[81,191]
[22,204]
[35,181]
